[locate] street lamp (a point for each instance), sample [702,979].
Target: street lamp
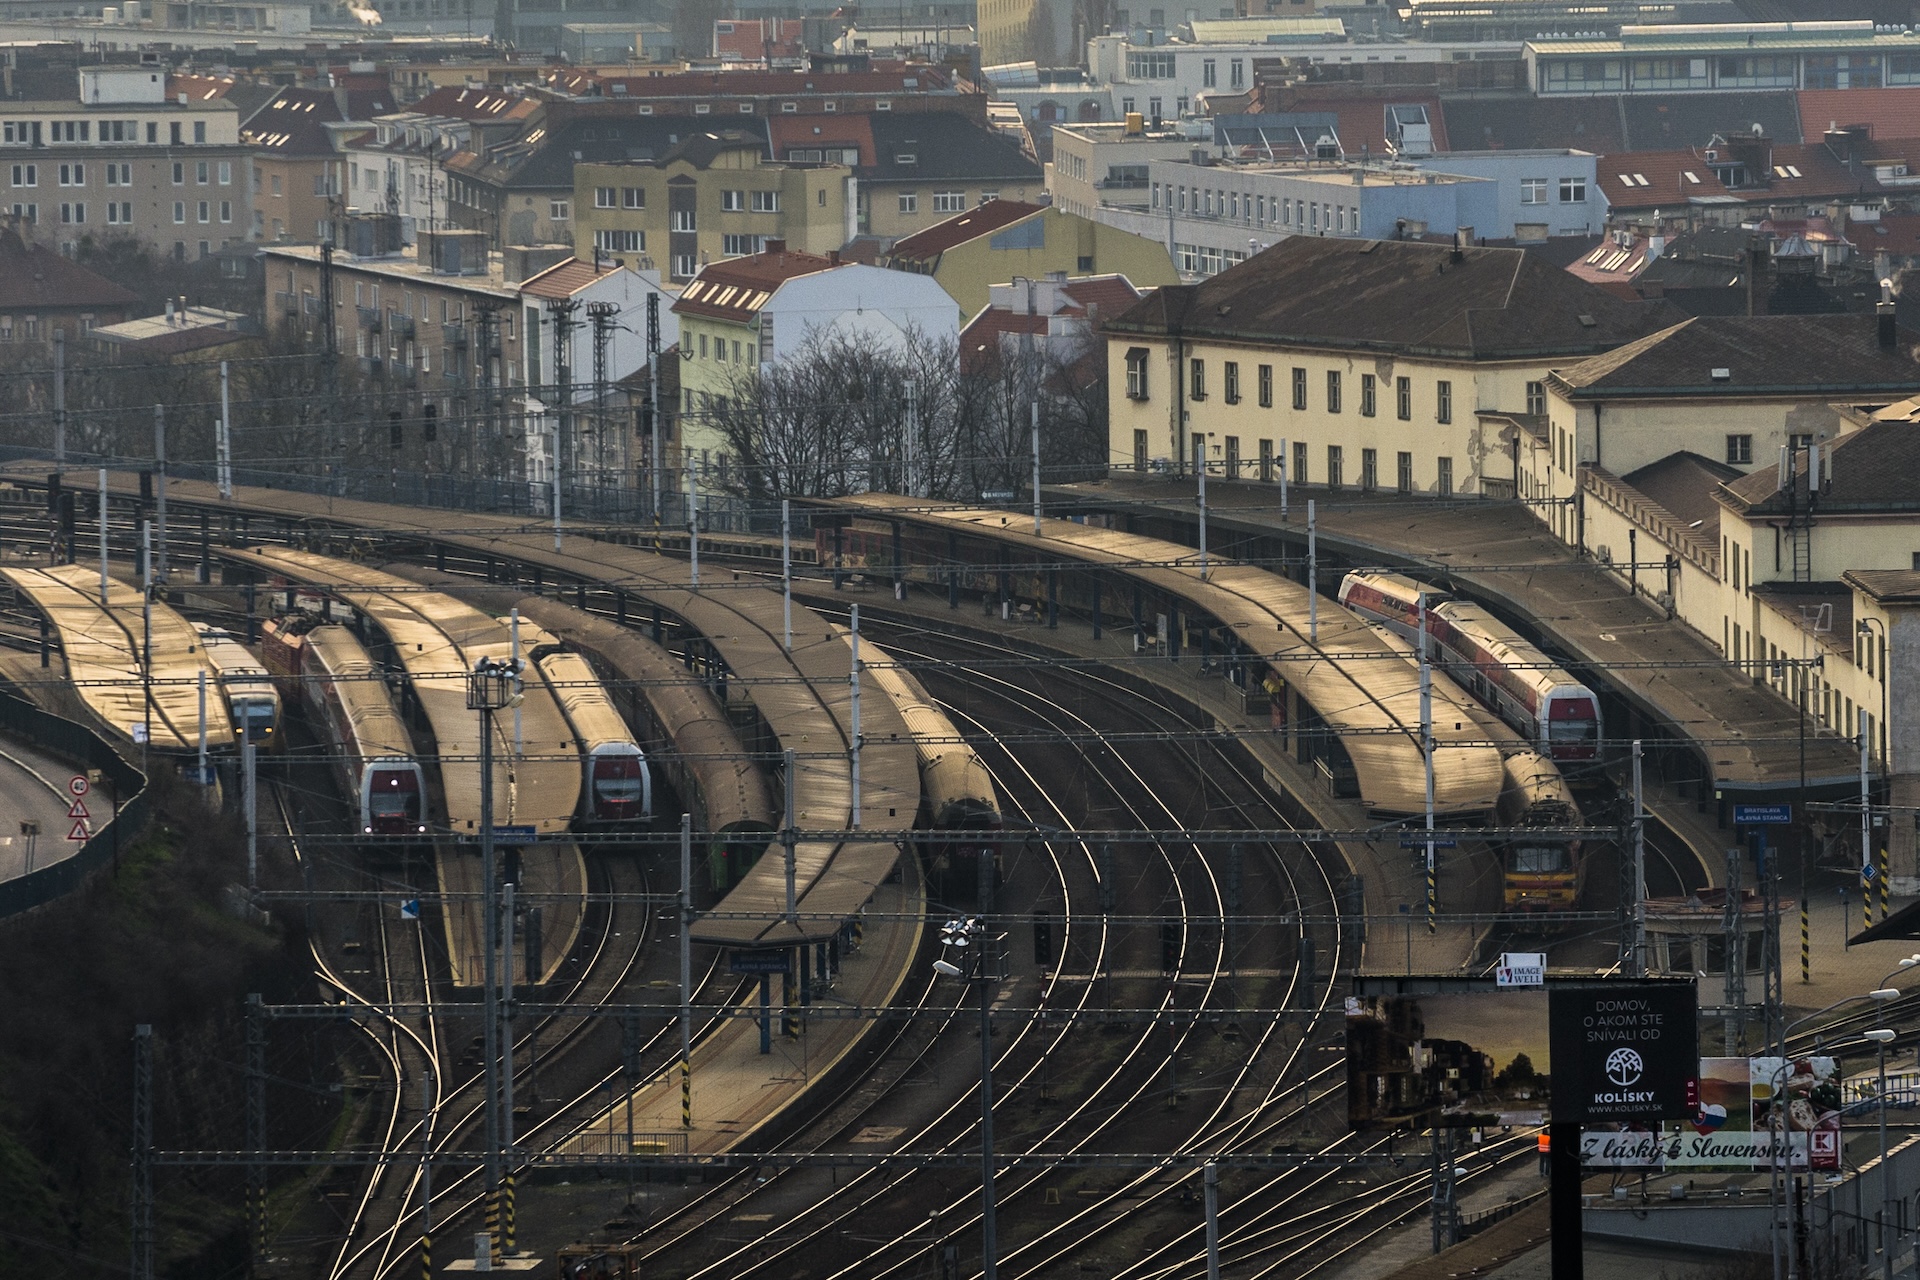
[965,955]
[1880,1037]
[1906,963]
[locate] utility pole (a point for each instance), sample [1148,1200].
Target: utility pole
[1426,756]
[1200,498]
[686,971]
[653,409]
[601,316]
[562,310]
[490,688]
[159,572]
[103,537]
[1036,467]
[330,358]
[224,449]
[141,1231]
[60,400]
[487,336]
[853,686]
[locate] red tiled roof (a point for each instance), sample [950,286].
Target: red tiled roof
[1109,294]
[748,84]
[1649,178]
[959,229]
[32,278]
[793,133]
[739,287]
[564,279]
[1613,266]
[1362,121]
[1895,233]
[1887,113]
[199,88]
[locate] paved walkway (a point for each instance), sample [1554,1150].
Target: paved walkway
[1749,735]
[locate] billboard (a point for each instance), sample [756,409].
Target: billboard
[1625,1053]
[1464,1059]
[1752,1111]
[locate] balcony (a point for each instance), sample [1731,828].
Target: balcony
[400,325]
[370,318]
[286,303]
[454,334]
[454,378]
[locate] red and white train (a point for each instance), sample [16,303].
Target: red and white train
[346,695]
[1557,714]
[616,785]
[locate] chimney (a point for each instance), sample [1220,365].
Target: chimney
[1759,263]
[833,257]
[1462,237]
[1883,314]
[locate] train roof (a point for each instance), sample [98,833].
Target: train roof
[361,688]
[1363,688]
[584,700]
[231,660]
[438,639]
[950,770]
[103,649]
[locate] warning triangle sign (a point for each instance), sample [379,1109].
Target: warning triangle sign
[79,810]
[79,831]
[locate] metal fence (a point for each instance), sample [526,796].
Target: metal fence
[73,742]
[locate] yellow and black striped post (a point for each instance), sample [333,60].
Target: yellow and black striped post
[1866,903]
[1806,943]
[859,931]
[506,1216]
[686,1094]
[426,1256]
[1886,880]
[493,1219]
[1433,895]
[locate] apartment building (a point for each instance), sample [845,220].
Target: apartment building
[713,196]
[396,165]
[1355,364]
[1665,60]
[123,159]
[299,173]
[41,292]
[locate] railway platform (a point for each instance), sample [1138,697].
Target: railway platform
[739,1091]
[1746,735]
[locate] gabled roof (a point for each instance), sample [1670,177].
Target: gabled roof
[701,149]
[564,279]
[543,159]
[1873,469]
[294,122]
[32,277]
[461,102]
[935,146]
[1644,179]
[923,246]
[1683,484]
[788,134]
[1886,112]
[1399,296]
[1814,355]
[737,288]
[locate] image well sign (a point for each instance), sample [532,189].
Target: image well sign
[1625,1052]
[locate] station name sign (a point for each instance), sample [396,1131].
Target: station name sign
[1624,1052]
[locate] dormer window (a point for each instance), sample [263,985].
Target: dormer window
[906,157]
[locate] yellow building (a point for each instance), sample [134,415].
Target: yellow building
[1353,364]
[1004,240]
[714,196]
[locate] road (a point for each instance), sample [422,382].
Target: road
[33,789]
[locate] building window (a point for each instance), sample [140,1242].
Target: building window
[949,202]
[1236,74]
[766,202]
[1740,450]
[1150,66]
[179,211]
[1404,481]
[1233,457]
[1334,465]
[1266,386]
[1232,382]
[73,175]
[733,202]
[1369,469]
[1197,379]
[909,202]
[685,265]
[73,213]
[610,241]
[1300,463]
[226,211]
[1536,398]
[26,175]
[1140,451]
[681,220]
[205,211]
[1367,383]
[1533,191]
[1443,477]
[1333,391]
[1443,401]
[738,246]
[1209,74]
[605,197]
[202,171]
[1403,398]
[560,210]
[633,197]
[1137,373]
[200,131]
[1300,389]
[1573,191]
[226,173]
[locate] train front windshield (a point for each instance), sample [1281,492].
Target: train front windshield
[393,802]
[618,787]
[254,716]
[1539,860]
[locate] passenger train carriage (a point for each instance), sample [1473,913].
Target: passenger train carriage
[346,694]
[1557,714]
[616,785]
[252,698]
